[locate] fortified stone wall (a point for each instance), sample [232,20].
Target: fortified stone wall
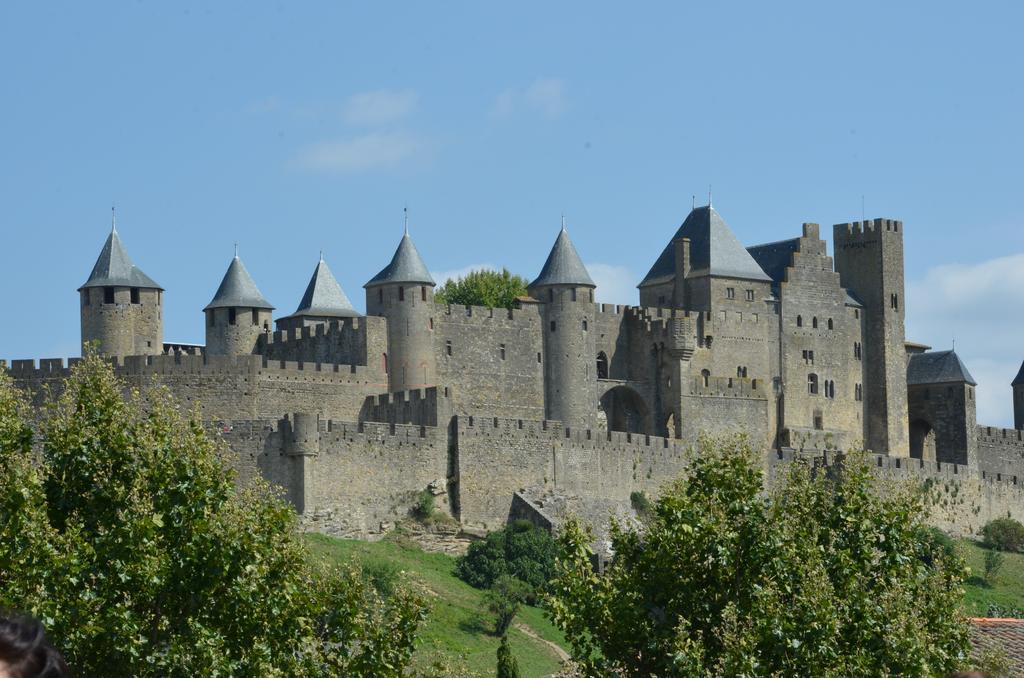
[1000,452]
[419,407]
[491,359]
[349,341]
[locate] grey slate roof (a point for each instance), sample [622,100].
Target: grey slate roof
[1019,379]
[114,268]
[238,290]
[406,267]
[324,296]
[714,250]
[563,265]
[937,367]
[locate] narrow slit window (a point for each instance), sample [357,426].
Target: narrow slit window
[136,297]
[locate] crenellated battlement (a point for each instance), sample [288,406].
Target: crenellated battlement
[422,407]
[524,316]
[856,230]
[337,326]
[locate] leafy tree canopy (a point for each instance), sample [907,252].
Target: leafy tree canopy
[519,550]
[482,288]
[129,540]
[826,576]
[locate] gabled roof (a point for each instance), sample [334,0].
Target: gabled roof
[563,265]
[324,296]
[1019,379]
[238,290]
[114,268]
[775,257]
[937,367]
[714,250]
[406,267]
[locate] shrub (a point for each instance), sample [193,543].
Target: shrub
[641,504]
[423,508]
[1005,534]
[503,601]
[508,667]
[129,540]
[936,542]
[825,575]
[519,550]
[993,563]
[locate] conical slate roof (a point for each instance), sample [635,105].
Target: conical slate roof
[406,267]
[714,250]
[324,296]
[1019,379]
[937,367]
[563,265]
[114,268]
[238,290]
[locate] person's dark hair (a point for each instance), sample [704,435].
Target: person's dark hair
[25,652]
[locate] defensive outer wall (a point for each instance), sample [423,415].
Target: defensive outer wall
[357,477]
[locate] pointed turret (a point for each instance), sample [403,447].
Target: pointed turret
[324,300]
[566,291]
[238,313]
[121,307]
[403,293]
[563,265]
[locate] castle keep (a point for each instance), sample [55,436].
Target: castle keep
[563,404]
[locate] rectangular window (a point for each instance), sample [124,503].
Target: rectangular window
[819,422]
[808,357]
[108,295]
[231,316]
[86,296]
[574,294]
[448,348]
[730,292]
[552,325]
[401,294]
[750,295]
[209,318]
[584,325]
[501,350]
[423,293]
[894,301]
[135,296]
[380,295]
[538,357]
[256,317]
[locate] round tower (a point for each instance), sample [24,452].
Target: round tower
[238,314]
[121,307]
[403,293]
[1018,399]
[570,374]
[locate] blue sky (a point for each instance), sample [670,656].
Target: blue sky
[295,127]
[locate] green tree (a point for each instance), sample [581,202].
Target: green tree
[827,575]
[1005,534]
[519,550]
[482,288]
[128,538]
[508,667]
[993,563]
[503,600]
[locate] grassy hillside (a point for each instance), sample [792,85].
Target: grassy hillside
[1007,590]
[457,628]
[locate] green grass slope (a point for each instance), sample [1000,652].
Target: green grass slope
[457,627]
[1007,591]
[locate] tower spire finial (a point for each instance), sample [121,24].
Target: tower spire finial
[563,221]
[406,210]
[693,201]
[709,195]
[113,219]
[236,249]
[321,255]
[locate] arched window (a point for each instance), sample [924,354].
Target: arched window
[814,322]
[830,323]
[602,365]
[799,321]
[705,377]
[812,384]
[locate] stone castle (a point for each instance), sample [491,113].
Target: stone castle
[562,404]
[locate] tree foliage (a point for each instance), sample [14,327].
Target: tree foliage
[503,600]
[508,667]
[1005,534]
[825,576]
[482,288]
[128,538]
[520,550]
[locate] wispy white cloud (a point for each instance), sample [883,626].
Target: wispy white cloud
[545,96]
[978,305]
[615,284]
[374,151]
[379,107]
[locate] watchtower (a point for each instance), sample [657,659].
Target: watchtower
[403,293]
[237,315]
[121,307]
[869,259]
[570,376]
[1018,399]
